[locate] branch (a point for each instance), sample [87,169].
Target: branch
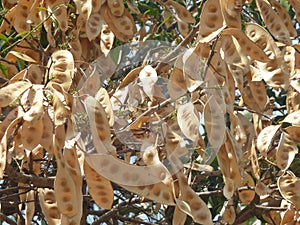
[40,182]
[132,220]
[4,218]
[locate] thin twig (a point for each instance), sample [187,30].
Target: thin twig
[4,218]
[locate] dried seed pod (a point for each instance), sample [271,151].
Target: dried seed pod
[130,77]
[99,187]
[286,151]
[60,111]
[188,121]
[94,25]
[248,46]
[11,92]
[91,85]
[246,196]
[34,74]
[285,17]
[179,217]
[103,98]
[289,186]
[47,134]
[8,21]
[31,133]
[182,12]
[12,114]
[106,39]
[214,123]
[211,19]
[273,21]
[190,203]
[99,126]
[34,18]
[116,7]
[60,13]
[21,14]
[266,138]
[231,11]
[148,78]
[254,161]
[37,108]
[228,214]
[296,6]
[3,145]
[61,69]
[29,207]
[64,186]
[49,205]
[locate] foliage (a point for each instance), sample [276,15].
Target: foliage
[149,112]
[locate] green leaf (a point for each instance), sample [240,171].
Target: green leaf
[4,38]
[4,70]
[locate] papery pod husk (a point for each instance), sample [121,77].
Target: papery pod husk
[49,206]
[246,196]
[35,74]
[94,25]
[92,84]
[47,134]
[190,203]
[31,133]
[29,207]
[3,145]
[179,217]
[130,77]
[8,21]
[293,128]
[285,17]
[106,39]
[8,4]
[248,46]
[188,121]
[176,83]
[273,22]
[20,19]
[64,186]
[61,69]
[286,151]
[99,187]
[99,126]
[84,9]
[182,12]
[289,186]
[211,19]
[34,18]
[123,27]
[296,7]
[116,7]
[103,98]
[231,11]
[12,114]
[266,138]
[60,13]
[228,214]
[11,92]
[183,27]
[36,110]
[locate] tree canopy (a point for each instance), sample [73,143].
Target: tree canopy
[150,112]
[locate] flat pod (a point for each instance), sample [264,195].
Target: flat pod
[266,138]
[246,196]
[92,84]
[254,161]
[99,187]
[249,47]
[214,123]
[116,7]
[47,133]
[179,217]
[20,18]
[49,206]
[94,25]
[289,187]
[228,214]
[188,121]
[296,6]
[190,203]
[3,145]
[11,115]
[61,69]
[182,12]
[60,12]
[211,19]
[286,151]
[231,11]
[60,111]
[106,39]
[273,22]
[36,110]
[35,74]
[103,98]
[99,126]
[31,133]
[285,17]
[8,21]
[11,92]
[130,77]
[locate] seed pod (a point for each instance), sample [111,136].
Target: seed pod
[266,138]
[246,196]
[273,22]
[182,13]
[116,7]
[20,18]
[286,151]
[99,187]
[11,92]
[296,6]
[103,98]
[211,19]
[94,25]
[31,133]
[289,186]
[49,206]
